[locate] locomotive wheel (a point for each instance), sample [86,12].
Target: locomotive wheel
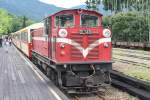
[52,75]
[34,60]
[56,79]
[48,72]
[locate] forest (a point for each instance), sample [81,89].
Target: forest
[10,23]
[129,26]
[130,19]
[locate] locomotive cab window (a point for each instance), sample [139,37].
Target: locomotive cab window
[89,20]
[64,20]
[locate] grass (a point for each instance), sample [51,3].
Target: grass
[137,69]
[145,76]
[118,58]
[136,51]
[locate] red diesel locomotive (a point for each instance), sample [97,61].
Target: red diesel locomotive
[74,50]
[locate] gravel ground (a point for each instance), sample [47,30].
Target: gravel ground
[110,94]
[115,94]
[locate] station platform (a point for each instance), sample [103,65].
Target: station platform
[21,80]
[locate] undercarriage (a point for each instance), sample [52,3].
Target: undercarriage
[77,78]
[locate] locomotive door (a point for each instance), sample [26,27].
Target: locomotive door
[53,44]
[48,32]
[51,39]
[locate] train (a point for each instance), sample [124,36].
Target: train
[131,45]
[73,49]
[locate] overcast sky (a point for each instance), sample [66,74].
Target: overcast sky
[64,3]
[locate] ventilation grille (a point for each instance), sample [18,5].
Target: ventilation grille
[77,55]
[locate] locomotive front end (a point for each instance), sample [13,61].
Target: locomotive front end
[83,50]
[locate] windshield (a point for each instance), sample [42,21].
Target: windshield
[64,20]
[89,20]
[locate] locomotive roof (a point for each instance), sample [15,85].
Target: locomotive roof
[75,10]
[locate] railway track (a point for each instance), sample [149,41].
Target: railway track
[132,51]
[133,56]
[95,97]
[132,85]
[132,62]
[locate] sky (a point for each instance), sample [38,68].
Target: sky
[64,3]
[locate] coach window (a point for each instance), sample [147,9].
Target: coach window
[89,20]
[47,26]
[64,20]
[24,36]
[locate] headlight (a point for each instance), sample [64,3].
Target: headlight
[62,53]
[106,33]
[63,33]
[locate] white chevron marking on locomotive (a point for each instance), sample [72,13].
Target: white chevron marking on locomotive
[80,48]
[39,38]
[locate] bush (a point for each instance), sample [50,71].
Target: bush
[130,26]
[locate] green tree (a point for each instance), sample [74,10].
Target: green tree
[127,5]
[10,23]
[5,22]
[126,27]
[106,21]
[93,4]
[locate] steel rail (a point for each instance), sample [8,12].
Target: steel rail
[131,62]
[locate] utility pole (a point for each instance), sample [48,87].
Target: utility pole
[93,4]
[148,16]
[149,23]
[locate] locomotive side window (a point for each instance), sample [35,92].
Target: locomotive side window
[47,26]
[89,20]
[64,20]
